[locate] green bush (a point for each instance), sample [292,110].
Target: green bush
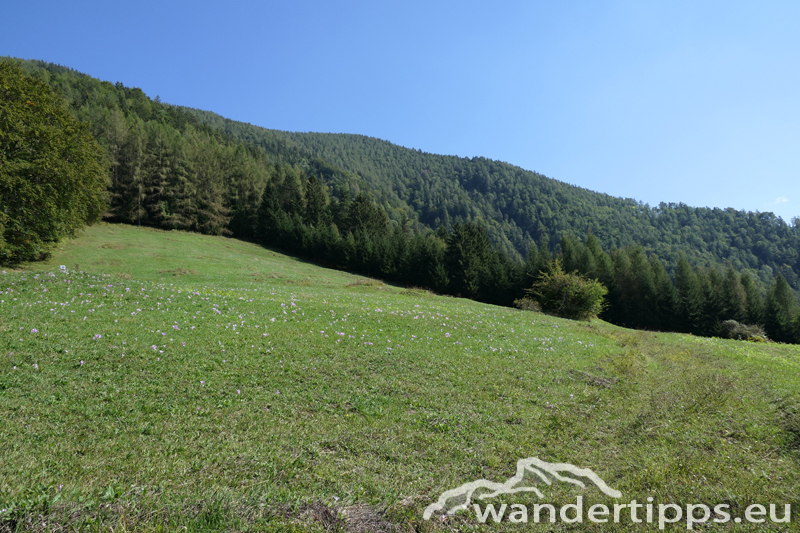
[528,304]
[568,295]
[736,330]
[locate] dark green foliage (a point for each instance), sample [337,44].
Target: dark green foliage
[755,304]
[467,258]
[713,304]
[426,262]
[568,295]
[316,200]
[689,298]
[734,297]
[167,169]
[454,225]
[51,179]
[634,288]
[780,310]
[796,328]
[516,205]
[363,215]
[666,297]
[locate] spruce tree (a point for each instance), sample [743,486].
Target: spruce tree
[666,296]
[755,302]
[734,297]
[467,259]
[779,310]
[316,200]
[531,267]
[690,298]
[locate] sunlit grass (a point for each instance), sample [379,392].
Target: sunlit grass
[170,380]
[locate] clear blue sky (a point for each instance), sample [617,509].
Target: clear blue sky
[671,101]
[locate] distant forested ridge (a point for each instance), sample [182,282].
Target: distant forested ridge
[465,226]
[517,205]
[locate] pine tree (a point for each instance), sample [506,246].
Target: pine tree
[586,264]
[128,194]
[755,302]
[245,182]
[779,310]
[713,303]
[158,163]
[316,200]
[734,297]
[116,134]
[643,294]
[570,252]
[690,298]
[531,268]
[267,214]
[364,215]
[290,191]
[666,296]
[212,213]
[467,259]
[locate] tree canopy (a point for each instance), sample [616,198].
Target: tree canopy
[51,178]
[454,225]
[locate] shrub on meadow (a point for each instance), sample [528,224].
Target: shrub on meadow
[737,330]
[528,304]
[568,295]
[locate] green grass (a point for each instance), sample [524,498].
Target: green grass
[178,382]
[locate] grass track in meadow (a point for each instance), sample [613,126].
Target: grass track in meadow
[179,380]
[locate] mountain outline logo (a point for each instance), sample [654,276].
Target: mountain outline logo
[532,465]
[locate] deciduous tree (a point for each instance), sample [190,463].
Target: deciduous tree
[51,179]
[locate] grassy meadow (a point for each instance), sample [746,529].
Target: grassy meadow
[170,381]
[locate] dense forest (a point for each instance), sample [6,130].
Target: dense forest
[517,206]
[470,227]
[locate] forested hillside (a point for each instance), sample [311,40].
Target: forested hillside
[517,205]
[455,225]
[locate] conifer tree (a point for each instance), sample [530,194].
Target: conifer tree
[666,296]
[734,297]
[570,252]
[316,200]
[690,298]
[586,264]
[713,303]
[531,268]
[642,294]
[467,259]
[779,310]
[755,302]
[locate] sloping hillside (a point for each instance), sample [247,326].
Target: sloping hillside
[169,381]
[190,169]
[518,205]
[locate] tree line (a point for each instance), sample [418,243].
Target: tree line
[517,206]
[169,168]
[298,215]
[425,190]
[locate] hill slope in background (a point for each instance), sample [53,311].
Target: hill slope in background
[190,169]
[518,205]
